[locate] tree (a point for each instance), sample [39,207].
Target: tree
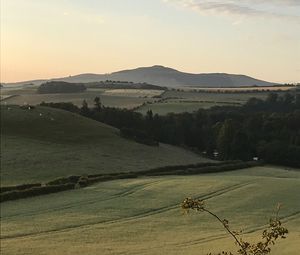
[98,104]
[84,110]
[270,235]
[272,98]
[240,146]
[225,137]
[149,115]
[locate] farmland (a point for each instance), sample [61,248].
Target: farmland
[173,106]
[42,144]
[143,216]
[190,101]
[112,100]
[159,101]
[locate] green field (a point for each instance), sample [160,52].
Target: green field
[43,143]
[112,100]
[190,101]
[142,216]
[173,106]
[213,97]
[169,101]
[133,92]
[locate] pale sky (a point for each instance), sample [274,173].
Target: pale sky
[57,38]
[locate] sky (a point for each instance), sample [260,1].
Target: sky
[57,38]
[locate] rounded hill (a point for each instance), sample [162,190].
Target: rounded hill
[41,144]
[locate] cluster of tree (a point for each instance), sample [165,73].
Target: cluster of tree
[268,129]
[60,87]
[123,85]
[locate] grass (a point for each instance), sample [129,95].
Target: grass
[142,216]
[173,101]
[175,107]
[43,144]
[110,100]
[190,101]
[214,97]
[133,92]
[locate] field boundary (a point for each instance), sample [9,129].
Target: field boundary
[76,181]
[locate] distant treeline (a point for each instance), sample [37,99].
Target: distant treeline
[268,129]
[67,87]
[109,84]
[60,87]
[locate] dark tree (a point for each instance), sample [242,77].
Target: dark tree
[98,104]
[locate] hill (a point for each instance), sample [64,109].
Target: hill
[160,75]
[42,144]
[166,77]
[142,216]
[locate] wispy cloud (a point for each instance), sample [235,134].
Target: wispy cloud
[244,8]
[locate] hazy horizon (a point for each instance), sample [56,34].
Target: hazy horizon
[58,38]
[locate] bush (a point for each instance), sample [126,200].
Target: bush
[35,191]
[19,187]
[138,136]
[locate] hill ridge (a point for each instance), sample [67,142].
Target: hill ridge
[163,76]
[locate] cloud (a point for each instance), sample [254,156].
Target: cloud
[280,2]
[243,8]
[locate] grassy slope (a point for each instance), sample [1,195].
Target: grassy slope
[142,216]
[58,143]
[189,101]
[76,98]
[175,107]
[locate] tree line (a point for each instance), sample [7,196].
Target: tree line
[266,129]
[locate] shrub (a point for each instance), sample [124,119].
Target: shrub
[34,191]
[274,231]
[19,187]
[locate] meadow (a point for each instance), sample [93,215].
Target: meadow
[43,144]
[244,89]
[190,101]
[133,92]
[128,101]
[160,102]
[176,106]
[143,216]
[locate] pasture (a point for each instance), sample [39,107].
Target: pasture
[244,89]
[133,92]
[142,100]
[176,106]
[43,144]
[213,97]
[190,100]
[143,216]
[108,99]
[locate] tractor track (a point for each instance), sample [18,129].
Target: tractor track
[135,217]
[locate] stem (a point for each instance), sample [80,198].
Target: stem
[228,230]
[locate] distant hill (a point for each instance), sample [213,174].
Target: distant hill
[168,77]
[160,75]
[60,87]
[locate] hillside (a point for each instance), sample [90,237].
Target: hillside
[160,75]
[143,216]
[164,76]
[42,144]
